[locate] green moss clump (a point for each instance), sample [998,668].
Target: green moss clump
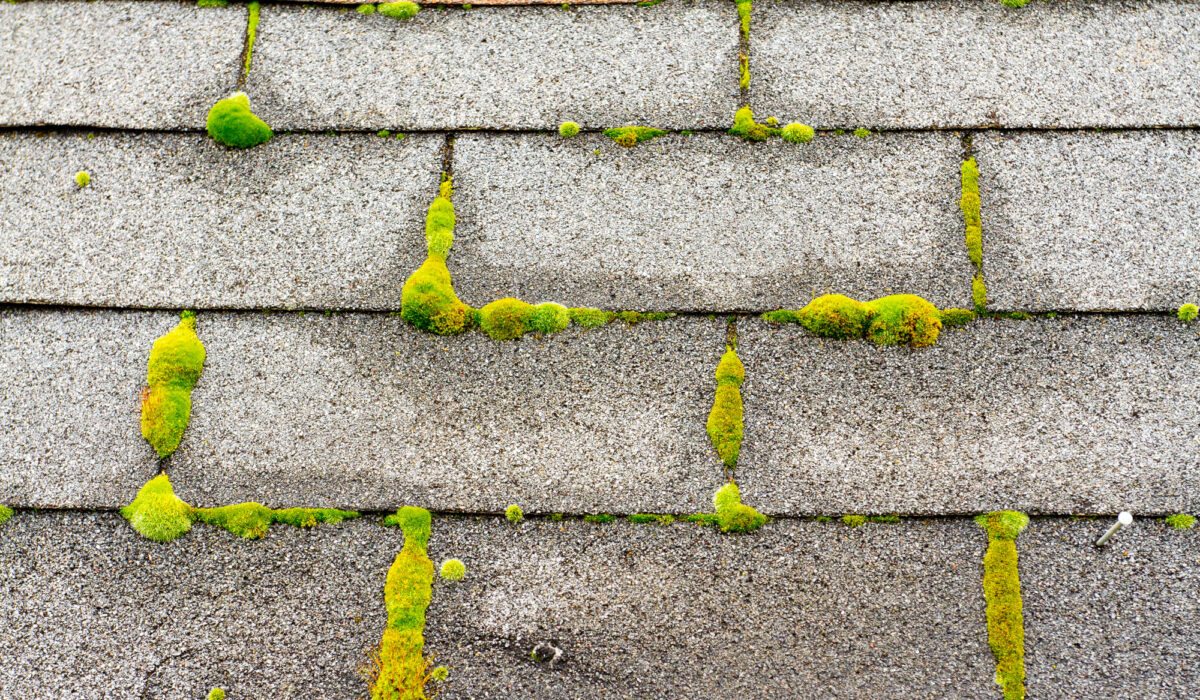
[1014,3]
[399,10]
[630,136]
[400,667]
[745,126]
[651,518]
[157,513]
[216,693]
[956,317]
[797,133]
[213,3]
[252,520]
[427,299]
[854,520]
[782,316]
[743,9]
[5,514]
[230,122]
[549,318]
[862,133]
[514,514]
[176,360]
[599,518]
[591,318]
[834,316]
[904,319]
[969,203]
[568,130]
[366,9]
[1179,521]
[505,319]
[733,515]
[1187,312]
[979,294]
[725,420]
[82,178]
[1002,589]
[744,65]
[453,570]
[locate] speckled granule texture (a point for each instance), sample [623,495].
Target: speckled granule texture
[91,609]
[521,67]
[1064,415]
[363,411]
[708,222]
[70,406]
[1089,221]
[677,611]
[177,220]
[131,65]
[1119,621]
[974,63]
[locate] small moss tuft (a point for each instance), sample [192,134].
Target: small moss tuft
[854,520]
[176,360]
[506,319]
[745,126]
[441,673]
[903,319]
[651,518]
[743,9]
[1002,590]
[514,514]
[1014,3]
[591,318]
[568,130]
[427,299]
[82,178]
[733,515]
[230,122]
[630,136]
[1179,521]
[834,316]
[862,133]
[979,294]
[549,318]
[5,514]
[216,693]
[956,317]
[157,513]
[744,65]
[725,420]
[1187,312]
[797,133]
[366,9]
[399,10]
[453,570]
[599,518]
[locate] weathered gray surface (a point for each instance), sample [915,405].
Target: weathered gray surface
[671,65]
[132,65]
[70,407]
[708,222]
[964,63]
[175,220]
[639,610]
[1065,415]
[363,411]
[1112,622]
[1091,221]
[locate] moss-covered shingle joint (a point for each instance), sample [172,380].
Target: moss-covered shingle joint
[1002,591]
[176,361]
[231,122]
[899,319]
[725,420]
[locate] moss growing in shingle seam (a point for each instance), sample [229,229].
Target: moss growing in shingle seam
[251,34]
[956,317]
[1002,589]
[797,133]
[251,520]
[1179,521]
[743,8]
[745,126]
[979,294]
[366,9]
[969,204]
[862,133]
[854,520]
[725,420]
[400,671]
[514,514]
[399,10]
[655,518]
[568,130]
[899,319]
[744,62]
[230,122]
[733,516]
[630,136]
[1014,3]
[176,360]
[599,518]
[157,513]
[1187,312]
[427,299]
[5,514]
[212,3]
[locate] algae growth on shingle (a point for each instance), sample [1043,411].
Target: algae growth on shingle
[176,360]
[1002,590]
[725,420]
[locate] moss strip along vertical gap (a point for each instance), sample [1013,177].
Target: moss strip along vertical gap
[400,671]
[1002,590]
[969,203]
[251,34]
[743,9]
[725,424]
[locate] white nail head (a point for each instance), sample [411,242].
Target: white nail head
[1125,518]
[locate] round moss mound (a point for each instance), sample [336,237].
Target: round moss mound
[1188,312]
[230,122]
[453,570]
[797,133]
[903,319]
[505,319]
[399,10]
[549,318]
[568,130]
[836,316]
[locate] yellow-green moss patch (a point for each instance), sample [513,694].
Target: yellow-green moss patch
[899,319]
[744,66]
[216,694]
[251,35]
[157,513]
[744,8]
[969,203]
[732,514]
[725,420]
[82,178]
[251,520]
[1002,589]
[514,514]
[399,10]
[1179,521]
[630,136]
[5,514]
[453,570]
[956,317]
[568,130]
[655,518]
[1188,312]
[427,299]
[231,122]
[176,360]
